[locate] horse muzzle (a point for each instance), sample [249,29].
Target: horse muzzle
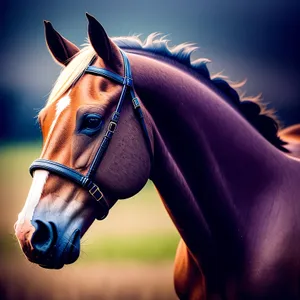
[47,244]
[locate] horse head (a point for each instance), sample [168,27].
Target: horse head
[77,177]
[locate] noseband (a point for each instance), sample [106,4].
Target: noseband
[87,181]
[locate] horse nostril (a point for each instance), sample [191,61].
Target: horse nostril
[44,235]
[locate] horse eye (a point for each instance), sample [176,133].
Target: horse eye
[91,122]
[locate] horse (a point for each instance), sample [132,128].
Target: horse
[225,176]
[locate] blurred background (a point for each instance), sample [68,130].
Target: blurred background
[130,255]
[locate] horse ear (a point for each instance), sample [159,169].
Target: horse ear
[61,49]
[102,44]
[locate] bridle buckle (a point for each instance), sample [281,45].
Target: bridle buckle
[112,126]
[135,102]
[95,192]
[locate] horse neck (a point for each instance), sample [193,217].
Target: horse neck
[210,164]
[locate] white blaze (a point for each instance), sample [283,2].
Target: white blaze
[61,105]
[40,176]
[34,195]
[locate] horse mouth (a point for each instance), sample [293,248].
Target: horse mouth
[70,253]
[72,249]
[57,266]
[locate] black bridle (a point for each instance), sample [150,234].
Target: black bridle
[87,181]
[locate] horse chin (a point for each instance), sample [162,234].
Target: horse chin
[57,267]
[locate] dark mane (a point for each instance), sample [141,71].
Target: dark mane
[252,109]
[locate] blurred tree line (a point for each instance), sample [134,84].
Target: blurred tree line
[17,118]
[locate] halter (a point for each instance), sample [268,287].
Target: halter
[87,181]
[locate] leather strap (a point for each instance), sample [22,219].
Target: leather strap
[76,177]
[87,181]
[105,73]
